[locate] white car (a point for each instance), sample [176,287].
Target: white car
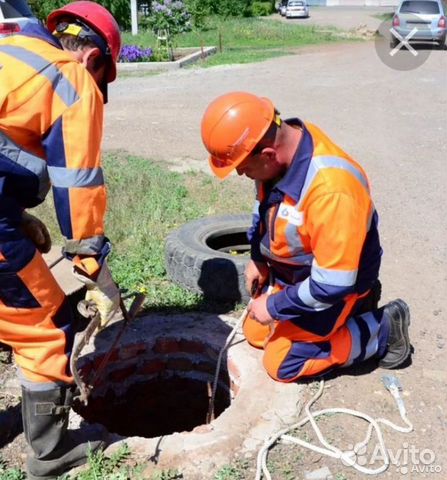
[420,21]
[282,8]
[14,15]
[297,9]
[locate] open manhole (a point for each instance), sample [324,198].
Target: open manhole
[164,388]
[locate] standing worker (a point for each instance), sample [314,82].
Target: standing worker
[53,88]
[314,239]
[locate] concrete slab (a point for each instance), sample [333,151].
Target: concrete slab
[191,55]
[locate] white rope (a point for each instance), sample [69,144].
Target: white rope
[348,457]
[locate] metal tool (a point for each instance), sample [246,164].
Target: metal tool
[89,311]
[393,385]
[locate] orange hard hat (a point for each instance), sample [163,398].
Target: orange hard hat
[232,126]
[101,21]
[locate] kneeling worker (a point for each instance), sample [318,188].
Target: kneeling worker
[314,239]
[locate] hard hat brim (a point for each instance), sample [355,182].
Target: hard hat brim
[222,172]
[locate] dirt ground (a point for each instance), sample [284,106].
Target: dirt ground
[394,124]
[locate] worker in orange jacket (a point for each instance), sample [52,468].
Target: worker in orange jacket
[314,242]
[53,88]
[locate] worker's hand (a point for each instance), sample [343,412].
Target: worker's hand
[257,309]
[36,231]
[104,293]
[256,276]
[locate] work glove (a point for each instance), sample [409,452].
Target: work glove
[103,292]
[36,231]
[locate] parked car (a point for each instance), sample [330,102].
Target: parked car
[282,7]
[14,15]
[297,9]
[427,16]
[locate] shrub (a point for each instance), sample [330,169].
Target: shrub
[234,8]
[42,8]
[261,9]
[120,9]
[226,8]
[134,53]
[198,10]
[171,16]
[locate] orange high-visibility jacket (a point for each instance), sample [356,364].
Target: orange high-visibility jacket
[51,116]
[317,228]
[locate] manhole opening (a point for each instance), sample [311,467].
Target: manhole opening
[163,394]
[234,242]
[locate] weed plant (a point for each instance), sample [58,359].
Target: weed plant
[7,473]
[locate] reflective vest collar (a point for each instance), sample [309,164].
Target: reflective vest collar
[292,182]
[38,31]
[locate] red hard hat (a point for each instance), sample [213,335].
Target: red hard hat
[100,20]
[232,126]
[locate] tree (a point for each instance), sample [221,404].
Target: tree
[120,9]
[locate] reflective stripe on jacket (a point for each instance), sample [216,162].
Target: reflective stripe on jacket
[51,115]
[317,228]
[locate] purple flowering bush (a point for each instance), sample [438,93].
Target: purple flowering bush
[171,16]
[134,53]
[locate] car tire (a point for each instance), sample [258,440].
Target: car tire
[442,45]
[394,42]
[197,257]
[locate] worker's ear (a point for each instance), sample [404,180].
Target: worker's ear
[89,57]
[269,152]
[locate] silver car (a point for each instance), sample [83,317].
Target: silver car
[297,9]
[282,7]
[14,15]
[419,21]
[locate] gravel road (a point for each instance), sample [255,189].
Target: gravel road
[344,18]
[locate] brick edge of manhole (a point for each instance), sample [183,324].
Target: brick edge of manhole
[260,408]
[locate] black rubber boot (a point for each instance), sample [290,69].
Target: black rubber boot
[54,450]
[398,349]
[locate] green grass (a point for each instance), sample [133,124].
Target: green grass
[170,474]
[244,40]
[113,468]
[235,471]
[11,474]
[118,466]
[146,202]
[384,16]
[240,55]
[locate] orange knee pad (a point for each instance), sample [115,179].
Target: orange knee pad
[255,333]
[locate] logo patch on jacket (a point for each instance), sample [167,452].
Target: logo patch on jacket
[291,215]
